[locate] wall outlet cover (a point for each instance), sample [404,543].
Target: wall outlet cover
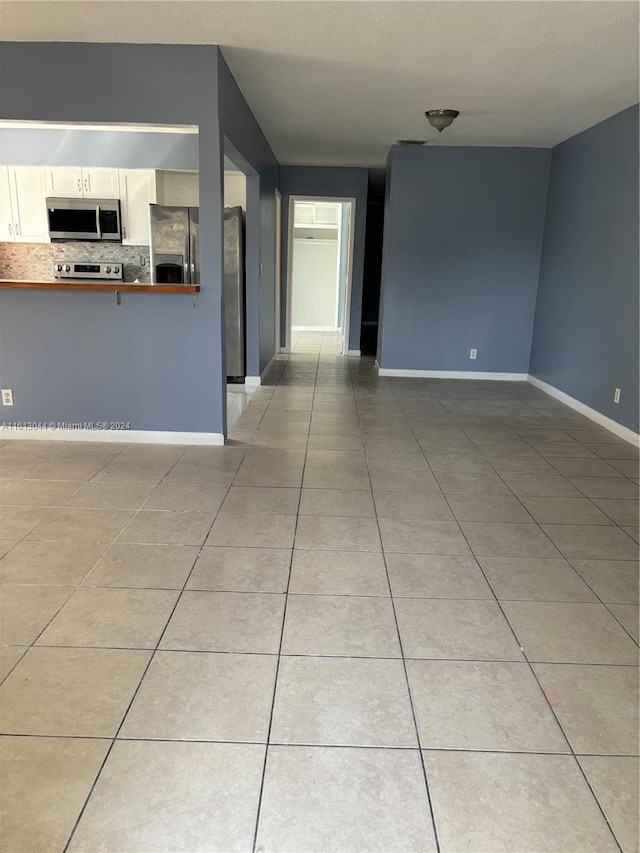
[616,395]
[7,397]
[473,353]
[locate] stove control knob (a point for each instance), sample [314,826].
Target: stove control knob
[108,269]
[116,270]
[59,267]
[67,268]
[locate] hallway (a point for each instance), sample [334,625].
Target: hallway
[390,615]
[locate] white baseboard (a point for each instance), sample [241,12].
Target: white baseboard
[354,352]
[116,436]
[593,415]
[253,382]
[451,374]
[314,329]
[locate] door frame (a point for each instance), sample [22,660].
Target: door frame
[351,218]
[278,269]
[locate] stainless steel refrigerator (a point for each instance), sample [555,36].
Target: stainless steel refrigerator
[175,259]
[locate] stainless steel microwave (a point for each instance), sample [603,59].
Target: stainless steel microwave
[95,219]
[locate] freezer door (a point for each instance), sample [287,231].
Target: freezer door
[234,292]
[170,234]
[194,245]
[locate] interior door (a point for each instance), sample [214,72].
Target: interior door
[345,236]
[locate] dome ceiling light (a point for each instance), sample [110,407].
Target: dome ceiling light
[441,118]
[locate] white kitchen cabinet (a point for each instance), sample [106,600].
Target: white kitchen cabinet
[6,212]
[100,183]
[137,192]
[76,182]
[64,181]
[23,212]
[28,191]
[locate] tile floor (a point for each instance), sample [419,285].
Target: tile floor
[390,615]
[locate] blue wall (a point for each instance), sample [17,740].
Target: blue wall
[328,182]
[463,234]
[585,338]
[244,137]
[155,360]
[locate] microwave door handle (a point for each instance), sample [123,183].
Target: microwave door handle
[98,232]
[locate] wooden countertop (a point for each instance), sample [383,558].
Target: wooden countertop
[109,286]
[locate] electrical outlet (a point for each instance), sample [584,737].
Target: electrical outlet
[7,397]
[473,353]
[616,395]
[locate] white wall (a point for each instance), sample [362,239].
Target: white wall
[235,190]
[315,273]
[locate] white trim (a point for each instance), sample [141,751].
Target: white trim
[354,352]
[253,382]
[451,374]
[315,329]
[115,436]
[593,415]
[278,268]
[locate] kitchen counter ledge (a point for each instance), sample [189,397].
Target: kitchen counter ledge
[109,286]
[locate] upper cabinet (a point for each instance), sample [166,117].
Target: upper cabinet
[181,189]
[137,192]
[74,182]
[23,212]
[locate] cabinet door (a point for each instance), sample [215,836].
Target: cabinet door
[100,183]
[6,213]
[28,188]
[64,181]
[137,192]
[179,189]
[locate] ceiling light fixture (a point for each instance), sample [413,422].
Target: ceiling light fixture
[441,118]
[412,142]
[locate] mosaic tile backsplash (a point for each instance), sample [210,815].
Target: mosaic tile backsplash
[34,261]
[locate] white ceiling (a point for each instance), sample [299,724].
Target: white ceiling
[339,82]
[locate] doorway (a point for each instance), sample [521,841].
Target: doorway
[319,264]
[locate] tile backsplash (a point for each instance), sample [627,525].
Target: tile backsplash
[34,261]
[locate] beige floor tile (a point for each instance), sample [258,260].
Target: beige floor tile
[17,521]
[592,542]
[471,484]
[6,545]
[70,692]
[436,576]
[338,573]
[143,566]
[340,625]
[486,508]
[173,797]
[628,615]
[82,525]
[137,471]
[188,497]
[537,802]
[45,784]
[163,527]
[318,441]
[597,705]
[508,540]
[337,502]
[615,581]
[107,495]
[482,705]
[583,467]
[346,534]
[464,630]
[424,537]
[342,702]
[111,618]
[197,696]
[67,469]
[620,511]
[426,506]
[242,569]
[320,475]
[9,657]
[549,510]
[569,632]
[38,492]
[253,531]
[330,800]
[241,500]
[65,563]
[614,780]
[26,610]
[226,622]
[606,487]
[535,579]
[540,485]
